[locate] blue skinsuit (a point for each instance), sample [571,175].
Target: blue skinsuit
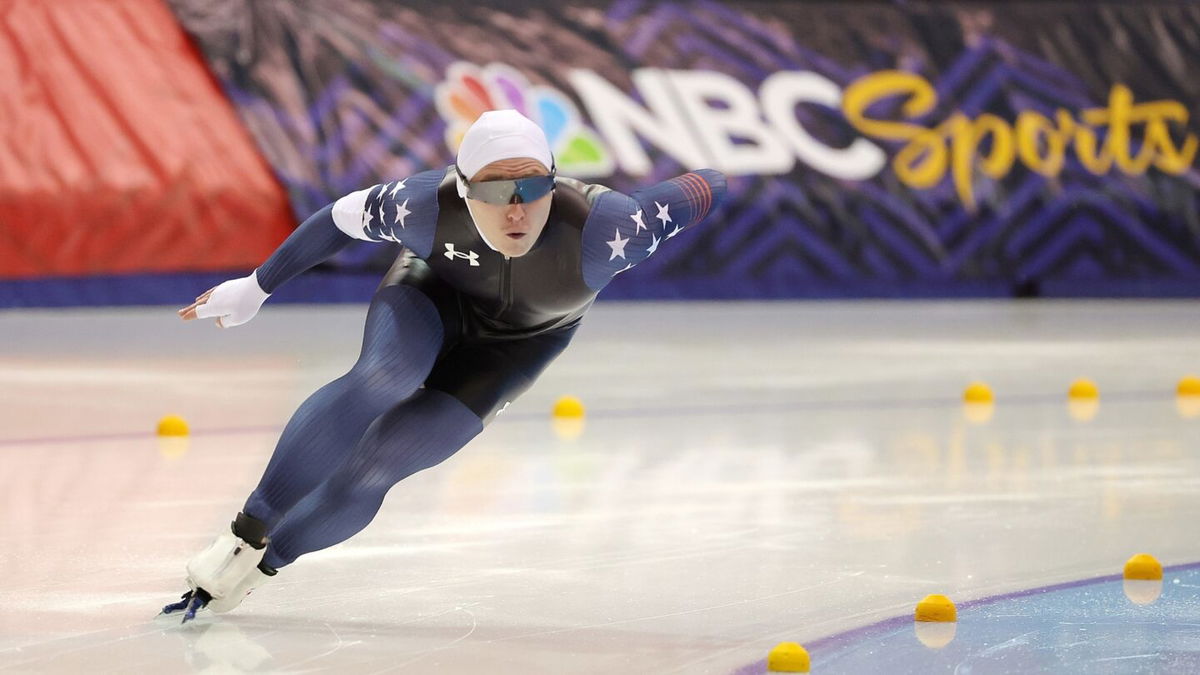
[454,333]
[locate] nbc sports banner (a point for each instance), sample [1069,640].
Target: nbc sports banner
[872,149]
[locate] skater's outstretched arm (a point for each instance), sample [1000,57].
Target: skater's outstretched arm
[403,211]
[623,230]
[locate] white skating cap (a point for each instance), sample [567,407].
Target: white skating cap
[502,134]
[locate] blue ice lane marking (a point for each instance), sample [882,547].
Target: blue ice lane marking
[1080,627]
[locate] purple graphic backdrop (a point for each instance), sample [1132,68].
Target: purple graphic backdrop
[343,95]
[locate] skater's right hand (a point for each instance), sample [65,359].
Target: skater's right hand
[233,302]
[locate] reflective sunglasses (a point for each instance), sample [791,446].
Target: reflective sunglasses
[504,192]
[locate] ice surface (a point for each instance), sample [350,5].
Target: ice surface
[749,473]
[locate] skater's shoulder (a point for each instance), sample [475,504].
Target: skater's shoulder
[422,186]
[403,210]
[603,203]
[573,186]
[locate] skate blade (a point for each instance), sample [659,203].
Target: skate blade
[177,606]
[189,603]
[199,600]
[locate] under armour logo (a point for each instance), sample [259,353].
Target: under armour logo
[470,256]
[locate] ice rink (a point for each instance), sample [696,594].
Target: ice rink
[747,474]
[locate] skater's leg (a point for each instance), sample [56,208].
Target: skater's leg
[401,341]
[417,434]
[463,393]
[412,319]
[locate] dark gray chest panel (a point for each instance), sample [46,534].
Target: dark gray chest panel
[541,290]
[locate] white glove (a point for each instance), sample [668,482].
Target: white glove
[235,301]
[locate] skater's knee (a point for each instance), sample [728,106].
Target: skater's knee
[385,381]
[413,436]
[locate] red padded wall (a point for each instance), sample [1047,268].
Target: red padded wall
[118,152]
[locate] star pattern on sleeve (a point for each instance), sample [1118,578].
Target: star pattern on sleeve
[377,213]
[659,212]
[664,213]
[401,213]
[637,219]
[653,245]
[367,218]
[618,245]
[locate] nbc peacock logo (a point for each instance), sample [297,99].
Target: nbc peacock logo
[469,91]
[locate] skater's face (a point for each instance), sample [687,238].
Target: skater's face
[512,229]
